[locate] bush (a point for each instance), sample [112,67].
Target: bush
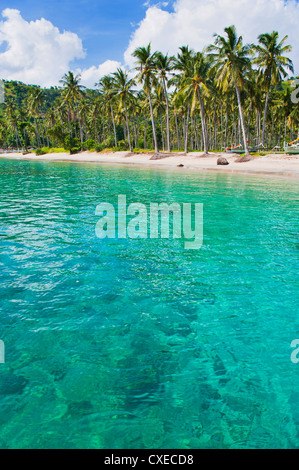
[40,151]
[123,145]
[140,143]
[99,147]
[109,142]
[72,144]
[89,144]
[57,150]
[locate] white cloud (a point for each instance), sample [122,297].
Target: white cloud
[93,74]
[193,23]
[37,52]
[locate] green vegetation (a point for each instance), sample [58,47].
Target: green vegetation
[226,95]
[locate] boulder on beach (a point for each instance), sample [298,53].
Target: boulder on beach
[222,161]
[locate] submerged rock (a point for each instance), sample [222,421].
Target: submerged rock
[12,384]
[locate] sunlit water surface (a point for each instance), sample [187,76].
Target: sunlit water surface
[140,343]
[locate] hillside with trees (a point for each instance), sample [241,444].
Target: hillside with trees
[227,95]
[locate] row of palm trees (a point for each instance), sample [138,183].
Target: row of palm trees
[224,94]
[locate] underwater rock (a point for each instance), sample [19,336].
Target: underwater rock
[12,384]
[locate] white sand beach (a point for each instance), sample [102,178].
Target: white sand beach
[271,165]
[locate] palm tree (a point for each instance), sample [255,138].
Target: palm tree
[122,87]
[183,63]
[164,67]
[232,63]
[147,76]
[72,94]
[11,116]
[34,103]
[271,64]
[195,85]
[93,116]
[106,89]
[158,104]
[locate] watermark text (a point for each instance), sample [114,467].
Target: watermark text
[295,353]
[151,222]
[2,352]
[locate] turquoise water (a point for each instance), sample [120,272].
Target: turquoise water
[140,343]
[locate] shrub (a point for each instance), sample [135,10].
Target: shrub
[109,142]
[57,150]
[89,144]
[123,145]
[140,143]
[99,147]
[40,151]
[72,144]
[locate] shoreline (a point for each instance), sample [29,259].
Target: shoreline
[277,165]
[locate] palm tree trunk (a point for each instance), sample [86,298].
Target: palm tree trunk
[69,120]
[145,134]
[203,123]
[18,138]
[186,131]
[226,127]
[249,121]
[37,133]
[177,132]
[80,126]
[265,116]
[128,129]
[247,154]
[153,123]
[167,115]
[114,127]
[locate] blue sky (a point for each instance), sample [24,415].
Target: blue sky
[105,26]
[41,40]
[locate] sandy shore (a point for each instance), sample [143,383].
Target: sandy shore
[275,165]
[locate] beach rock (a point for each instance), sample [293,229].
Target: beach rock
[222,161]
[159,156]
[204,155]
[245,158]
[180,165]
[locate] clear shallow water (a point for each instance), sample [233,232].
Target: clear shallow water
[141,343]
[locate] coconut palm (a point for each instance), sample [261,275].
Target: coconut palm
[272,64]
[12,117]
[106,88]
[183,64]
[72,92]
[146,67]
[195,85]
[231,66]
[34,103]
[163,67]
[122,87]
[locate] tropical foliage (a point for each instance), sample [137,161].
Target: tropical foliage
[227,95]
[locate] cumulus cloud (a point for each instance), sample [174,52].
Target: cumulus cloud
[193,23]
[93,74]
[37,52]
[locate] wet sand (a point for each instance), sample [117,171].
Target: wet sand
[272,164]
